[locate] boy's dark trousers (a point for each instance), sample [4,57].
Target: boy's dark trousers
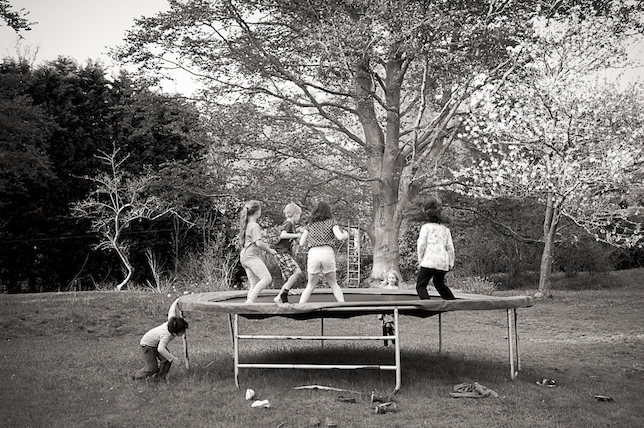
[425,275]
[388,330]
[150,356]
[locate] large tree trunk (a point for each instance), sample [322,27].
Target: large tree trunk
[550,224]
[384,230]
[384,164]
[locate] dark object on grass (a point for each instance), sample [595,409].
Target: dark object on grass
[550,383]
[330,422]
[389,407]
[475,390]
[603,398]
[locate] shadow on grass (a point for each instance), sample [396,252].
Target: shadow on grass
[425,370]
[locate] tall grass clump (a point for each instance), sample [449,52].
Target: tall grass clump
[473,284]
[212,269]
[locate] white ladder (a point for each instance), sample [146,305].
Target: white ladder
[353,256]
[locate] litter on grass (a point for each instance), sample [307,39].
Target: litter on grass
[603,398]
[472,390]
[550,383]
[347,399]
[327,388]
[261,403]
[386,408]
[330,422]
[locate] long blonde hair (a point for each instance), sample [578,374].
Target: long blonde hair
[250,208]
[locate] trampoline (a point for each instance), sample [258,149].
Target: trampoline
[358,302]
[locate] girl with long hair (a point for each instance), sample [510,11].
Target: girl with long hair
[250,239]
[434,246]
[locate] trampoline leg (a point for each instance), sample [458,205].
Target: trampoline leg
[516,341]
[185,345]
[440,333]
[397,347]
[185,350]
[232,334]
[322,331]
[511,343]
[236,349]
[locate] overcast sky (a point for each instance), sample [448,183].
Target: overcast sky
[85,29]
[80,29]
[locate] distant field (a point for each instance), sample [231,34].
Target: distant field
[67,360]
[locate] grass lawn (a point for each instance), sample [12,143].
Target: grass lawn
[67,359]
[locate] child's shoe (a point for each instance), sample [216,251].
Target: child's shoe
[282,297]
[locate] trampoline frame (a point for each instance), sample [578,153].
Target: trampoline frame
[250,311]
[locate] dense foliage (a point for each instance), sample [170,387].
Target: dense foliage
[55,120]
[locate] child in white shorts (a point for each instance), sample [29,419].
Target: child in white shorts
[320,234]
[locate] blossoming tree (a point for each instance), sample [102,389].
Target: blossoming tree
[567,133]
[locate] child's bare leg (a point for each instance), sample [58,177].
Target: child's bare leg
[306,294]
[333,283]
[290,282]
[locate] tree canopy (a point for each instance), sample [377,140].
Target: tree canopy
[564,133]
[15,20]
[369,91]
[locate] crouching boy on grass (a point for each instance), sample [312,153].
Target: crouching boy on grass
[154,346]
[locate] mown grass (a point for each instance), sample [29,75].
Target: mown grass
[67,360]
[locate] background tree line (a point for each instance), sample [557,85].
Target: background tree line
[55,120]
[346,102]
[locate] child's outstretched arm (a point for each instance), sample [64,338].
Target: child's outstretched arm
[304,237]
[174,310]
[340,234]
[163,350]
[286,235]
[261,244]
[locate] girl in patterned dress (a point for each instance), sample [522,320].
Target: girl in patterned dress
[320,234]
[435,247]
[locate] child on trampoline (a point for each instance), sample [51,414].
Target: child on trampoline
[154,347]
[288,266]
[435,247]
[250,237]
[320,235]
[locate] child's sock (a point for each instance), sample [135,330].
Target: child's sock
[282,297]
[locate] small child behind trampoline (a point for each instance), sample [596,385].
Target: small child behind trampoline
[391,282]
